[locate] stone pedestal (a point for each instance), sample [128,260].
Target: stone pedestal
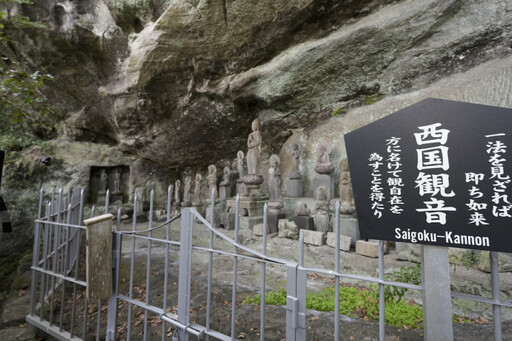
[273,221]
[324,180]
[251,211]
[350,227]
[240,188]
[101,198]
[220,206]
[304,222]
[294,188]
[224,192]
[199,208]
[114,197]
[225,220]
[257,230]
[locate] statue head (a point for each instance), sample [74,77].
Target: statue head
[275,160]
[240,155]
[255,125]
[212,169]
[177,184]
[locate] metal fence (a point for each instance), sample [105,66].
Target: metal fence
[157,288]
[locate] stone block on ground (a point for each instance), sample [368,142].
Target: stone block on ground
[273,220]
[257,230]
[247,223]
[225,220]
[313,237]
[345,241]
[408,252]
[368,249]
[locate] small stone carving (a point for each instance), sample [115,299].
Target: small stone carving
[302,210]
[211,178]
[253,155]
[177,187]
[322,194]
[295,172]
[225,177]
[347,203]
[103,181]
[240,165]
[186,191]
[323,164]
[274,179]
[288,229]
[117,181]
[197,189]
[274,184]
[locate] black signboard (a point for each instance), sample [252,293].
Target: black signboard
[438,172]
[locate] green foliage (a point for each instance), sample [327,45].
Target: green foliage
[410,275]
[369,100]
[339,112]
[467,258]
[353,301]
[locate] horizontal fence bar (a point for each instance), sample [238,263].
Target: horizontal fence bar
[480,299]
[53,330]
[196,328]
[49,222]
[60,276]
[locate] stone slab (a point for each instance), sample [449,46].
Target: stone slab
[368,249]
[350,227]
[294,188]
[345,241]
[304,222]
[313,237]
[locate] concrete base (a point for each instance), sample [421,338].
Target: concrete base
[322,223]
[324,180]
[219,208]
[350,227]
[313,237]
[294,188]
[304,222]
[368,249]
[273,221]
[116,197]
[344,241]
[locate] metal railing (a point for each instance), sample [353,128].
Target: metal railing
[154,300]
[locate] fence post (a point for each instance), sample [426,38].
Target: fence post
[437,303]
[185,272]
[296,304]
[99,257]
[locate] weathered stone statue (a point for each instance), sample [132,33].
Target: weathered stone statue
[274,179]
[347,203]
[225,185]
[254,148]
[252,179]
[117,181]
[186,191]
[240,164]
[323,164]
[295,172]
[225,177]
[211,178]
[302,210]
[197,190]
[302,218]
[177,187]
[103,181]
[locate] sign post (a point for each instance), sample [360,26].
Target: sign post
[435,173]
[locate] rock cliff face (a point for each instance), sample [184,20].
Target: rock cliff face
[178,82]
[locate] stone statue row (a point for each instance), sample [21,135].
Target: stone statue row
[248,185]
